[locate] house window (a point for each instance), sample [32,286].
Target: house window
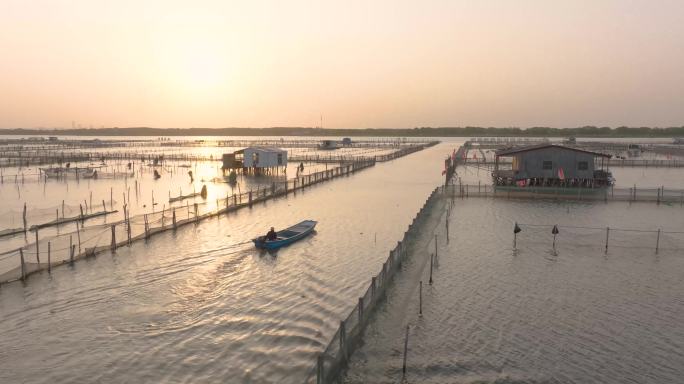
[547,165]
[583,165]
[280,159]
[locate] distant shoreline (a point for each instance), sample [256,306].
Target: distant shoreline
[642,132]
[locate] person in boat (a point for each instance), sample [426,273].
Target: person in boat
[271,235]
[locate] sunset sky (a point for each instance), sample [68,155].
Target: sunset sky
[383,63]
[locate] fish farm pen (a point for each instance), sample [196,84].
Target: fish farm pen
[612,193]
[58,235]
[65,248]
[26,153]
[330,364]
[332,361]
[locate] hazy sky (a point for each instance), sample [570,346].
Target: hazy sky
[382,63]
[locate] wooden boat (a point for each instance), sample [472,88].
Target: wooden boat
[287,235]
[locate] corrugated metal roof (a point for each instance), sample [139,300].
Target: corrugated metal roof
[263,149]
[529,148]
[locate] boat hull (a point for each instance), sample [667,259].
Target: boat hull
[287,236]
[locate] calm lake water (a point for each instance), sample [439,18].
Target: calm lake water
[202,305]
[535,315]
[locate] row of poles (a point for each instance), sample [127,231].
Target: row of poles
[305,181]
[555,231]
[434,263]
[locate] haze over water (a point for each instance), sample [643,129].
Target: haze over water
[385,63]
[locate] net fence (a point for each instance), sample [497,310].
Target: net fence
[348,335]
[654,194]
[85,241]
[603,238]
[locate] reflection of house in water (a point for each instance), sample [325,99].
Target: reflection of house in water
[256,160]
[549,165]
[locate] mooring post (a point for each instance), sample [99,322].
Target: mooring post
[250,199]
[49,261]
[607,234]
[73,251]
[23,265]
[420,298]
[173,218]
[196,212]
[658,241]
[37,248]
[403,369]
[113,237]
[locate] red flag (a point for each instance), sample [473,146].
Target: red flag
[561,174]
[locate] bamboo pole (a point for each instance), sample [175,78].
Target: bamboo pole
[37,248]
[23,265]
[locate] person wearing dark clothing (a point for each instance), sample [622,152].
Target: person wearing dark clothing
[271,235]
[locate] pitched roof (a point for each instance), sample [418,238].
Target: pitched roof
[262,149]
[516,150]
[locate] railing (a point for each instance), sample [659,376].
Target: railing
[334,358]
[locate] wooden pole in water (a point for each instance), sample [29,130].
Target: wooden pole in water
[113,237]
[73,251]
[78,233]
[23,265]
[111,198]
[360,311]
[403,369]
[658,241]
[49,261]
[432,260]
[24,216]
[420,298]
[607,234]
[37,248]
[71,240]
[343,341]
[436,257]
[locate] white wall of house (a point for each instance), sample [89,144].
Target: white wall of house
[265,157]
